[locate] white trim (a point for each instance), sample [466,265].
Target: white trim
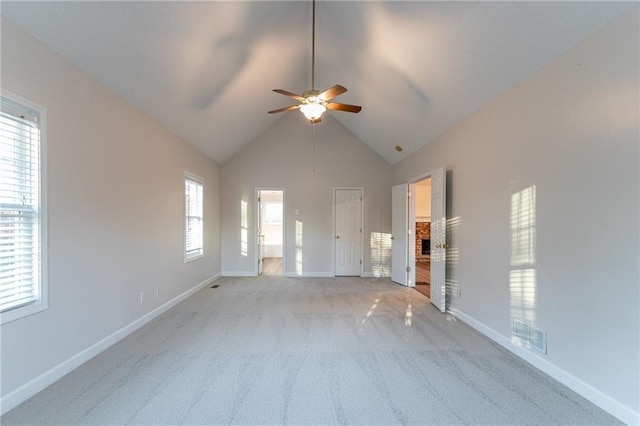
[310,275]
[198,179]
[238,273]
[42,303]
[318,275]
[370,274]
[256,225]
[348,188]
[612,406]
[26,391]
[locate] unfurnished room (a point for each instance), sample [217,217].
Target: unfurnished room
[319,212]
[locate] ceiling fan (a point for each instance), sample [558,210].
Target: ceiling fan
[314,103]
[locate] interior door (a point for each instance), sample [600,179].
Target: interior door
[438,238]
[399,233]
[348,232]
[260,236]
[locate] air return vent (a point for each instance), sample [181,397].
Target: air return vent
[529,336]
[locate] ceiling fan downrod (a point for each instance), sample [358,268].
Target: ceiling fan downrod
[313,103]
[313,47]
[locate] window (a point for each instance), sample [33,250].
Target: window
[273,214]
[193,217]
[23,289]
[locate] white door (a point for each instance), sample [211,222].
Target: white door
[399,233]
[438,237]
[260,236]
[348,232]
[411,236]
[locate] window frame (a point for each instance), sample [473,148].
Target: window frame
[41,301]
[189,257]
[271,219]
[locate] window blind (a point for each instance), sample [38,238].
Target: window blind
[20,251]
[194,226]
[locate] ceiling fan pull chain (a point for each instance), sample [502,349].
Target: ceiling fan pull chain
[313,153]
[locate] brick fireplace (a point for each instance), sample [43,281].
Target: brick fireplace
[423,231]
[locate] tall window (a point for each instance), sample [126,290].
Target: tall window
[22,250]
[273,214]
[193,217]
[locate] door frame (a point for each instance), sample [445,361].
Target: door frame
[411,258]
[333,235]
[256,226]
[400,255]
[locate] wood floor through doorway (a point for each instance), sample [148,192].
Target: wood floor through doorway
[272,266]
[423,277]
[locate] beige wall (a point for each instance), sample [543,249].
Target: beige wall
[116,212]
[284,157]
[570,131]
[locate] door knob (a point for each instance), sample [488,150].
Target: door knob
[337,237]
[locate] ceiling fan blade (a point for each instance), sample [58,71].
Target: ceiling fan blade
[332,92]
[343,107]
[289,108]
[289,94]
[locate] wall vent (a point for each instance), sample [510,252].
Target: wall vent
[529,336]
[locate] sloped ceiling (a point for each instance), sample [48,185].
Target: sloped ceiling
[205,70]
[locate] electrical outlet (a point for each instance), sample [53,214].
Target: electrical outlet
[141,297]
[457,292]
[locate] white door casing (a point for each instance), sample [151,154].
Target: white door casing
[411,236]
[399,233]
[259,223]
[260,236]
[348,231]
[438,238]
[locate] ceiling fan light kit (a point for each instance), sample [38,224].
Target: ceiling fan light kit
[313,103]
[313,110]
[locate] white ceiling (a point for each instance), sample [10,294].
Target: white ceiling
[205,70]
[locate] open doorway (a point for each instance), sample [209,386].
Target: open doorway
[422,244]
[270,227]
[403,241]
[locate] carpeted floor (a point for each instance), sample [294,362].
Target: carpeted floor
[306,351]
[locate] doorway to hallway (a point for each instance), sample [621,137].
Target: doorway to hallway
[270,226]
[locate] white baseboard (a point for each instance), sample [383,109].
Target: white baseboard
[238,273]
[318,274]
[309,275]
[370,274]
[26,391]
[612,406]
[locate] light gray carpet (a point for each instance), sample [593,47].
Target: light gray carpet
[306,351]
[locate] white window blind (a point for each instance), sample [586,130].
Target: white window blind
[20,208]
[194,224]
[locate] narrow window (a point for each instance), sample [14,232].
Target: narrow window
[23,289]
[193,217]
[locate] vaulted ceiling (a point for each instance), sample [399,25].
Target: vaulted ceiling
[206,70]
